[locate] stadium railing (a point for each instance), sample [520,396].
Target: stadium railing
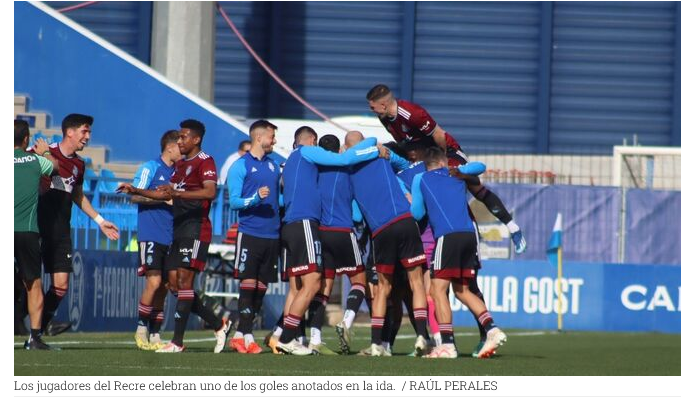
[118,208]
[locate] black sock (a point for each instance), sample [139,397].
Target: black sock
[52,299]
[205,312]
[493,204]
[36,333]
[185,298]
[144,314]
[247,292]
[260,292]
[156,320]
[473,287]
[421,322]
[487,322]
[291,328]
[377,326]
[355,298]
[318,310]
[389,323]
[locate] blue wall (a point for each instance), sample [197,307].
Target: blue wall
[63,72]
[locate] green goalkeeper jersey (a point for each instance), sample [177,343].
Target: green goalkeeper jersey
[28,168]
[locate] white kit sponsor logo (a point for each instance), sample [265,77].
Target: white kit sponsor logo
[415,259]
[299,268]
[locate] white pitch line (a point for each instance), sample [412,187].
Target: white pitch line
[202,340]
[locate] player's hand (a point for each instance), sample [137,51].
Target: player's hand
[168,190]
[169,202]
[408,195]
[383,152]
[263,192]
[125,188]
[41,146]
[109,229]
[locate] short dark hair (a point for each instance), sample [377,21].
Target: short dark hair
[260,124]
[396,149]
[330,142]
[242,144]
[300,131]
[169,137]
[434,155]
[21,132]
[75,121]
[194,125]
[378,92]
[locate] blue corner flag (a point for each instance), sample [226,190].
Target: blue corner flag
[556,241]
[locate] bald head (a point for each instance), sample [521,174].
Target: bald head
[352,138]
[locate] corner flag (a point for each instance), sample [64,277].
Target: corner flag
[556,241]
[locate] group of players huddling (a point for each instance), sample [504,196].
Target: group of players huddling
[409,196]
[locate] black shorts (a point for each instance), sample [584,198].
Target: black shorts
[153,256]
[455,257]
[256,258]
[399,242]
[188,253]
[27,255]
[340,253]
[302,249]
[56,252]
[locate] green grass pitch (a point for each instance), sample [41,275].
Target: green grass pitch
[525,353]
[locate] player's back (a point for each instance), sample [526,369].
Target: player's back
[301,195]
[335,191]
[378,194]
[446,202]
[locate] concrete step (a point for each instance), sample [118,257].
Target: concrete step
[38,120]
[98,154]
[122,170]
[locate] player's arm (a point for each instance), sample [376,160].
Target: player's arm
[404,189]
[418,205]
[397,162]
[139,189]
[468,172]
[440,137]
[363,151]
[108,228]
[42,149]
[235,185]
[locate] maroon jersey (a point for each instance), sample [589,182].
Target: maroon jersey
[190,217]
[54,204]
[414,124]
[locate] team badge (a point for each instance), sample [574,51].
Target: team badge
[149,260]
[189,170]
[75,171]
[271,166]
[242,267]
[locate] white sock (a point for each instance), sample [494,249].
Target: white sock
[348,318]
[301,340]
[315,336]
[512,227]
[438,338]
[141,329]
[277,332]
[238,335]
[155,338]
[248,339]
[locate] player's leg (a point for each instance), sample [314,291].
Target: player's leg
[412,258]
[246,265]
[352,304]
[491,201]
[310,284]
[317,313]
[27,256]
[495,336]
[428,247]
[379,307]
[157,317]
[145,307]
[447,347]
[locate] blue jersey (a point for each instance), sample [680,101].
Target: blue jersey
[257,217]
[154,222]
[443,198]
[339,210]
[302,198]
[378,194]
[407,175]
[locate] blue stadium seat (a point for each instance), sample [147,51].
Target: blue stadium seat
[87,182]
[107,186]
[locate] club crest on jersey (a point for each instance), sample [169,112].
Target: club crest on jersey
[405,128]
[271,166]
[189,170]
[149,260]
[75,170]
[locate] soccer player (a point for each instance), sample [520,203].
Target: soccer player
[253,183]
[300,233]
[340,251]
[155,234]
[54,210]
[28,168]
[396,238]
[409,122]
[192,189]
[455,258]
